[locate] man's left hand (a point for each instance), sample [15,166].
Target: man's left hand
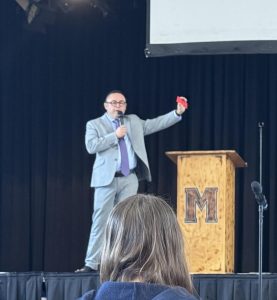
[180,108]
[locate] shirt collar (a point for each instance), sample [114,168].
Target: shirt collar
[109,117]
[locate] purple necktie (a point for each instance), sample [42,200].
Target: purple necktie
[124,167]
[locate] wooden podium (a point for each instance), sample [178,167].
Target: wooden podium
[205,207]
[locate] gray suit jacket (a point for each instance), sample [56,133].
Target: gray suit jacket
[101,140]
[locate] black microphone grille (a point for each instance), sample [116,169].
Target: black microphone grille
[256,187]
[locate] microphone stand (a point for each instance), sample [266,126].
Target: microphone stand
[261,125]
[261,216]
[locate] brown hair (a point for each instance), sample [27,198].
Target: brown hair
[143,242]
[114,92]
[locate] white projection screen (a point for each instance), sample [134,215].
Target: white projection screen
[177,27]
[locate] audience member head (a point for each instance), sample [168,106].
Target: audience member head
[143,242]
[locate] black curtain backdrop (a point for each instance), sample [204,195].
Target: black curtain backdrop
[52,83]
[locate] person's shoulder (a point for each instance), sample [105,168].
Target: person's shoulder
[182,292]
[132,116]
[96,120]
[175,293]
[90,295]
[134,119]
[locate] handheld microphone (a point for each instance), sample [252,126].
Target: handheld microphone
[258,192]
[121,117]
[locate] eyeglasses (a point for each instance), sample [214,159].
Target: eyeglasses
[115,103]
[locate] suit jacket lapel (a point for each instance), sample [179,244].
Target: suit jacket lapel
[128,125]
[105,122]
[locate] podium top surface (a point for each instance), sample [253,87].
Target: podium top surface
[232,154]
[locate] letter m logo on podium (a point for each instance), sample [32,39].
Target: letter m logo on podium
[207,200]
[205,207]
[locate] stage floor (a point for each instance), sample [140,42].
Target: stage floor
[70,286]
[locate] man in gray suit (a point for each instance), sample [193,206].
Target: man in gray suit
[121,161]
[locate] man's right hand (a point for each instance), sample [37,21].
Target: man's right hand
[121,131]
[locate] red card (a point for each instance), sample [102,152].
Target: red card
[182,101]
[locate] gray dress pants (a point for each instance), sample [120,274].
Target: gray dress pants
[104,200]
